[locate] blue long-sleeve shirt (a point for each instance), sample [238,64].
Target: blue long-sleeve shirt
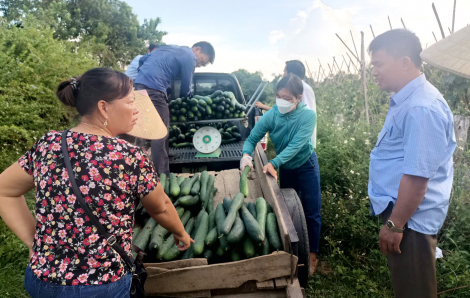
[166,64]
[291,134]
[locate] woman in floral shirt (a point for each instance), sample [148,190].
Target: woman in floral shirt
[69,257]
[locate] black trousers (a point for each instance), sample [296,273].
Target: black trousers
[160,148]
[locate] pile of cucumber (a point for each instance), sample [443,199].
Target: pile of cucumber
[218,105]
[233,231]
[181,135]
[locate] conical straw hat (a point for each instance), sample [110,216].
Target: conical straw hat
[149,124]
[451,53]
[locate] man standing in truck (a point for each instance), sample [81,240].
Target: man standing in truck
[155,75]
[133,68]
[308,96]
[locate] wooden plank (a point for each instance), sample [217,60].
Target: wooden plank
[178,264]
[293,290]
[219,276]
[232,182]
[247,287]
[265,285]
[254,187]
[272,194]
[220,184]
[281,283]
[195,294]
[263,294]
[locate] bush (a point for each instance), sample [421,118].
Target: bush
[33,63]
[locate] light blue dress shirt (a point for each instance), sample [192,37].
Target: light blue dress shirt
[132,71]
[417,139]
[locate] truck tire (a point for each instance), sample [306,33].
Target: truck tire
[298,218]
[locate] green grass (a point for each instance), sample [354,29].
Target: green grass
[13,259]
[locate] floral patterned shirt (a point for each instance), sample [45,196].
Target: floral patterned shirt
[113,176]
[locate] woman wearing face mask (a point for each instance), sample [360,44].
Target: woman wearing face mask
[69,256]
[290,125]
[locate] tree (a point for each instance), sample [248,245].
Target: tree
[33,63]
[108,28]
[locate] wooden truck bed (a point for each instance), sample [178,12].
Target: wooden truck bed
[272,275]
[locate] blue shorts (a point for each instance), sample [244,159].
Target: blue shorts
[37,288]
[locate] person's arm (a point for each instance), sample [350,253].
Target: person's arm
[159,206]
[187,71]
[257,133]
[300,139]
[142,60]
[14,183]
[425,143]
[262,106]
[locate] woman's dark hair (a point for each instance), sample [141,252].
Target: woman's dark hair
[97,84]
[296,67]
[398,43]
[292,83]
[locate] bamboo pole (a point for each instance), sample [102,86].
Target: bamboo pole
[344,60]
[352,62]
[348,48]
[390,23]
[453,16]
[354,43]
[363,76]
[434,36]
[403,23]
[438,20]
[308,69]
[321,66]
[373,34]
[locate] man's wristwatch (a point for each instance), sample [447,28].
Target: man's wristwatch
[391,226]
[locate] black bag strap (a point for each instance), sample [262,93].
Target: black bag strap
[111,239]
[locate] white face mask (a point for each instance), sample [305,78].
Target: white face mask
[284,106]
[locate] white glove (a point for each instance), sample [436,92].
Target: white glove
[246,161]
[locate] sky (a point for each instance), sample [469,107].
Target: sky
[260,35]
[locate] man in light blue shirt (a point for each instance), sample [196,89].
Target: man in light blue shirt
[411,167]
[133,68]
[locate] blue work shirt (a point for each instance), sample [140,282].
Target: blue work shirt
[166,64]
[131,71]
[417,139]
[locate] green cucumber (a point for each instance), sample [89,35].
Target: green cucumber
[252,208]
[204,179]
[229,141]
[261,213]
[248,248]
[209,189]
[188,184]
[265,248]
[188,201]
[252,226]
[174,186]
[169,242]
[143,238]
[167,186]
[270,209]
[220,218]
[189,254]
[196,187]
[180,180]
[237,232]
[244,181]
[211,237]
[272,231]
[237,202]
[208,254]
[220,251]
[163,179]
[227,203]
[215,94]
[202,230]
[235,256]
[159,233]
[174,251]
[212,222]
[210,203]
[135,232]
[184,144]
[224,243]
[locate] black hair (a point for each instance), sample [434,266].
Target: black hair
[96,84]
[152,47]
[296,67]
[292,83]
[398,43]
[207,49]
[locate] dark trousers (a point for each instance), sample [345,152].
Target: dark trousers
[160,148]
[306,182]
[414,270]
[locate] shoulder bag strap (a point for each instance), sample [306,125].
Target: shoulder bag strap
[111,239]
